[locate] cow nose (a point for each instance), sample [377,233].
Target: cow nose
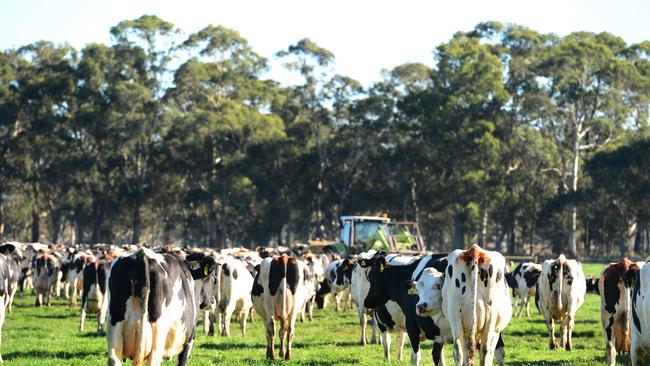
[422,307]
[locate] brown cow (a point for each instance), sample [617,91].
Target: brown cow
[615,287]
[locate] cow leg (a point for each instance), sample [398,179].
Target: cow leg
[73,297]
[337,301]
[184,356]
[522,301]
[570,322]
[283,336]
[528,307]
[206,321]
[39,300]
[610,337]
[458,351]
[500,352]
[385,342]
[373,325]
[400,337]
[2,321]
[437,355]
[242,321]
[310,309]
[414,337]
[115,343]
[227,315]
[82,319]
[270,338]
[550,324]
[251,314]
[290,334]
[489,345]
[362,324]
[12,295]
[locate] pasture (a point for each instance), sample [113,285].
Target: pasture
[49,336]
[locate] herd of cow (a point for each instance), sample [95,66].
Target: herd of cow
[149,301]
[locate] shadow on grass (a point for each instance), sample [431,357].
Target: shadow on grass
[544,333]
[55,316]
[230,346]
[65,355]
[91,335]
[278,361]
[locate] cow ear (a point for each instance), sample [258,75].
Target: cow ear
[631,276]
[7,249]
[410,287]
[257,268]
[363,263]
[381,264]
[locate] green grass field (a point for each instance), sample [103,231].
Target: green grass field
[50,336]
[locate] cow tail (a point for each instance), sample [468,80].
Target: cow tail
[474,324]
[146,289]
[283,288]
[560,274]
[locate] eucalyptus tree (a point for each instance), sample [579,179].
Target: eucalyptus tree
[314,65]
[586,77]
[225,111]
[144,48]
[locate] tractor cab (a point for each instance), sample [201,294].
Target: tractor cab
[362,233]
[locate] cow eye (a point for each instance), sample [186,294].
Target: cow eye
[437,287]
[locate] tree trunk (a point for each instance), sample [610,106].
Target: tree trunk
[280,236]
[35,224]
[459,219]
[225,243]
[213,236]
[573,208]
[79,233]
[55,223]
[2,215]
[414,201]
[96,218]
[137,222]
[482,237]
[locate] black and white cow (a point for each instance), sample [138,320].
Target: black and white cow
[525,276]
[93,295]
[561,291]
[47,277]
[476,304]
[359,286]
[74,274]
[235,294]
[615,287]
[640,342]
[5,250]
[151,307]
[338,276]
[391,282]
[278,294]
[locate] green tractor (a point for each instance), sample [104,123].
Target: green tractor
[362,233]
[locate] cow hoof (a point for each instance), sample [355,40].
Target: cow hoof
[568,347]
[553,345]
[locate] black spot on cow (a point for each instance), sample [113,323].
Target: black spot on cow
[225,269]
[611,291]
[490,270]
[283,267]
[499,275]
[457,283]
[257,290]
[384,319]
[463,278]
[608,328]
[450,270]
[483,275]
[463,290]
[531,276]
[635,316]
[234,274]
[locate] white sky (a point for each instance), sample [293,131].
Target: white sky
[365,36]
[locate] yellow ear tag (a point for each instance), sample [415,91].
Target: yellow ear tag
[206,270]
[381,267]
[412,291]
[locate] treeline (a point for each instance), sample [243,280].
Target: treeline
[524,139]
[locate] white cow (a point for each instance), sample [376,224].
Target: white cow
[476,303]
[526,276]
[235,294]
[560,293]
[641,317]
[278,294]
[359,287]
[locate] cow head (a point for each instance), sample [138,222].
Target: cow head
[377,294]
[429,290]
[7,249]
[321,295]
[202,268]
